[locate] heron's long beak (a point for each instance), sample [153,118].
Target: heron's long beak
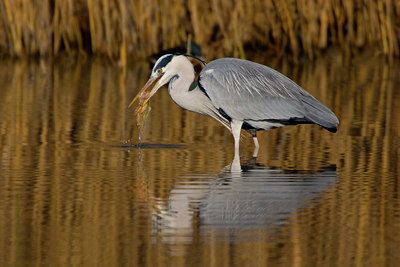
[143,91]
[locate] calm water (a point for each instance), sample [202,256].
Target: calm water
[74,191]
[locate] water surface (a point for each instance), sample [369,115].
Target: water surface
[75,190]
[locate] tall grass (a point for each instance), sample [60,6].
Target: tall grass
[121,28]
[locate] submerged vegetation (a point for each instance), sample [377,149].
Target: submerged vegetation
[118,28]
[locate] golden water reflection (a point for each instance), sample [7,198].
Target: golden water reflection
[72,191]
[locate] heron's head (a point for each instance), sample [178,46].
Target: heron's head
[161,74]
[163,71]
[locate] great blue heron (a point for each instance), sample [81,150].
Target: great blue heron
[237,93]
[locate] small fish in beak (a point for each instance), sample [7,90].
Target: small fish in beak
[145,96]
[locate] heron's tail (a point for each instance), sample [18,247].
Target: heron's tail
[320,114]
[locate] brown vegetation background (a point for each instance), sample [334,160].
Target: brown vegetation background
[121,28]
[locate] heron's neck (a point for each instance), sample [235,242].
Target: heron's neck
[179,88]
[192,99]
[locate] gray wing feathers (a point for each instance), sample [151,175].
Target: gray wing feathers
[247,90]
[319,113]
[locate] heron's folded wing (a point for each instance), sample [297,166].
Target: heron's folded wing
[247,90]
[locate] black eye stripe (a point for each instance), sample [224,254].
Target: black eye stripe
[163,62]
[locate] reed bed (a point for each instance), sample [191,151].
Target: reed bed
[121,28]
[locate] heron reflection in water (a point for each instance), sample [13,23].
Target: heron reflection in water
[237,205]
[240,94]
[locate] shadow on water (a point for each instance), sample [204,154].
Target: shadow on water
[144,146]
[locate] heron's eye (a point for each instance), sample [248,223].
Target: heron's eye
[159,71]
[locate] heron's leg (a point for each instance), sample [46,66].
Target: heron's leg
[235,165]
[253,133]
[256,146]
[236,126]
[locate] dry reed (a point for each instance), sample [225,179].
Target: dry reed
[120,28]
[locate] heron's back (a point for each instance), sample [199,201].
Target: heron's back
[250,91]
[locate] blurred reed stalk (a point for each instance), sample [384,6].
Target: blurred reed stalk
[121,28]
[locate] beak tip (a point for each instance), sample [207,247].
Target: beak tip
[141,93]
